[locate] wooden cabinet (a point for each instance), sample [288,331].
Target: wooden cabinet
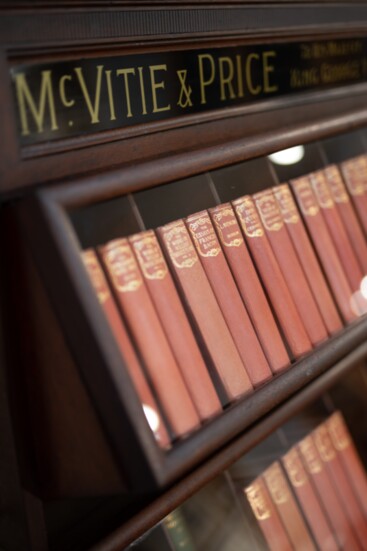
[121,117]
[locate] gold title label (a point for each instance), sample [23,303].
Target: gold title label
[227,226]
[269,211]
[123,267]
[324,444]
[96,275]
[249,218]
[305,196]
[353,174]
[150,256]
[295,469]
[321,190]
[277,485]
[180,246]
[258,500]
[338,432]
[336,184]
[310,455]
[204,236]
[286,204]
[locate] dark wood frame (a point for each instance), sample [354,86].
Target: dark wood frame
[197,144]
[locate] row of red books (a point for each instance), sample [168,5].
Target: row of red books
[315,496]
[208,308]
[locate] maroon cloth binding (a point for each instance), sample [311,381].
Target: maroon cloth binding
[145,327]
[339,236]
[341,483]
[204,309]
[267,516]
[249,286]
[347,214]
[175,323]
[287,508]
[311,506]
[225,290]
[327,495]
[108,304]
[349,457]
[290,266]
[301,242]
[324,246]
[355,177]
[272,277]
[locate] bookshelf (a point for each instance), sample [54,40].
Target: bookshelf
[66,187]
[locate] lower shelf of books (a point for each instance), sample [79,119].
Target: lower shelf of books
[303,487]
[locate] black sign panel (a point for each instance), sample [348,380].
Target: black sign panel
[71,98]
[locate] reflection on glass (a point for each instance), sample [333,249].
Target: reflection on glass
[288,156]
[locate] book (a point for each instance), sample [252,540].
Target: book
[349,457]
[327,495]
[307,258]
[311,506]
[128,353]
[290,266]
[267,516]
[347,214]
[221,353]
[333,464]
[175,323]
[339,236]
[272,277]
[176,528]
[248,283]
[230,302]
[134,300]
[324,246]
[354,174]
[287,508]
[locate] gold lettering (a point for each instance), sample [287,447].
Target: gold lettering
[267,70]
[93,109]
[142,91]
[254,90]
[226,80]
[110,96]
[156,86]
[203,82]
[126,73]
[25,99]
[67,102]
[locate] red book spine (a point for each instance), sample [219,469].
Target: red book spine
[308,499]
[324,246]
[204,309]
[307,258]
[108,304]
[354,174]
[267,516]
[341,483]
[338,233]
[290,266]
[136,305]
[272,276]
[349,457]
[347,214]
[287,508]
[175,323]
[228,297]
[248,283]
[327,495]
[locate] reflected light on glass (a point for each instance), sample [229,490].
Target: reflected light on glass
[364,287]
[152,417]
[289,156]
